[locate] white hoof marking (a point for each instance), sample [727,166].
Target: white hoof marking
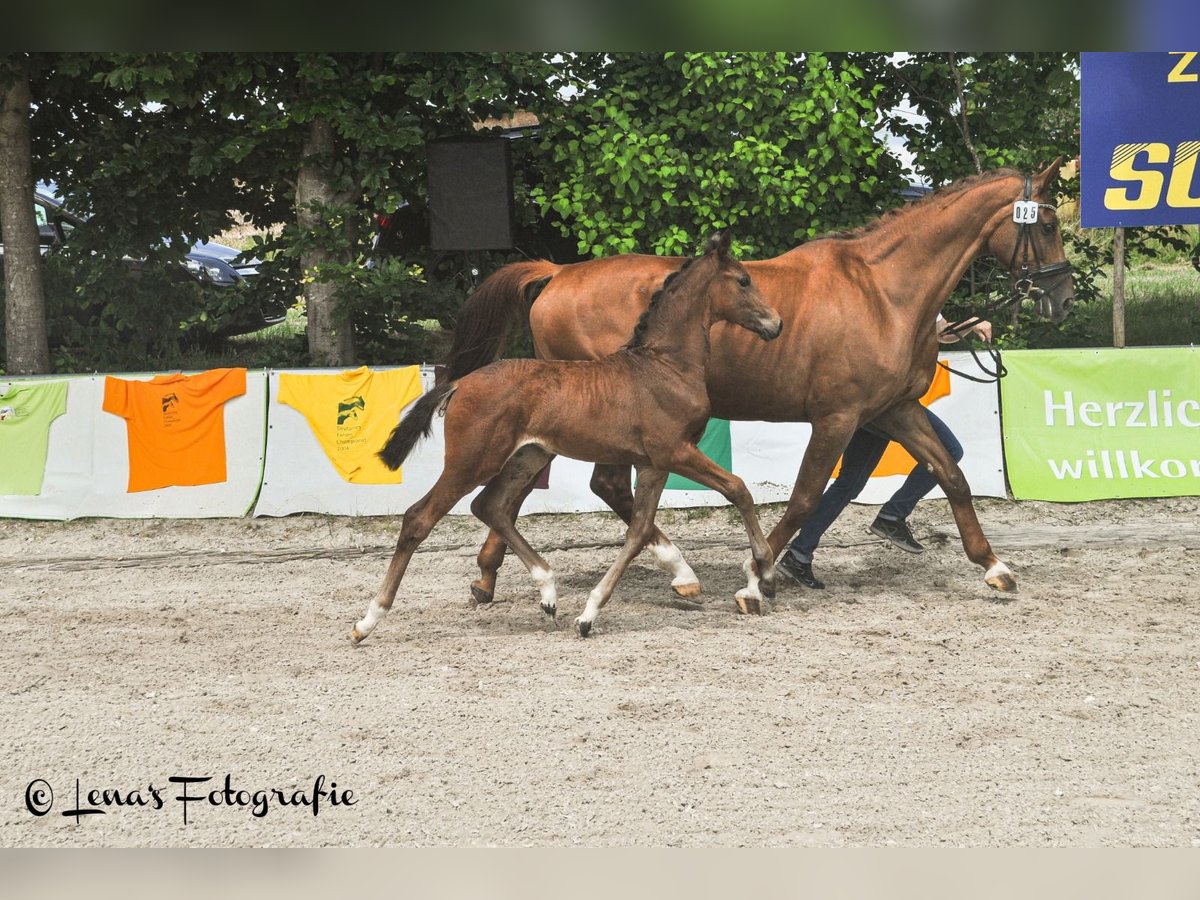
[367,624]
[751,589]
[668,558]
[544,579]
[998,570]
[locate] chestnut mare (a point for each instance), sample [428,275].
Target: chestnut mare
[645,406]
[860,346]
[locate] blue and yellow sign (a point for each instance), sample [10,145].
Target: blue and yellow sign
[1140,139]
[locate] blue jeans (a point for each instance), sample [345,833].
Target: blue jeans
[859,460]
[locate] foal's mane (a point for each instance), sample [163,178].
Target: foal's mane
[639,332]
[889,217]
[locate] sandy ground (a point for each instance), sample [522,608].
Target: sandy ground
[905,704]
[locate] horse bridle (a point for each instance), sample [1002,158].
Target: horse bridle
[1025,280]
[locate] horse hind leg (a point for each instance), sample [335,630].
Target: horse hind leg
[418,522]
[497,505]
[611,484]
[909,425]
[491,554]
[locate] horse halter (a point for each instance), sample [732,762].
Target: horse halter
[1025,278]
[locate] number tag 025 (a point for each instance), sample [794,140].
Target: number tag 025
[1025,212]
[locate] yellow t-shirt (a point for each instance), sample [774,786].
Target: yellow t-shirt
[175,425]
[352,414]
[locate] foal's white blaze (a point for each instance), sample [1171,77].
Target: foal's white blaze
[668,558]
[544,579]
[750,591]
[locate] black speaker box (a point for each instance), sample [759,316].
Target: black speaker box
[470,194]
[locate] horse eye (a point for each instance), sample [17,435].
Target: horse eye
[1049,227]
[744,281]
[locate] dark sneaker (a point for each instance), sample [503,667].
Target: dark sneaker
[799,572]
[897,532]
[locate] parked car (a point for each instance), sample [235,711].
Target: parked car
[207,262]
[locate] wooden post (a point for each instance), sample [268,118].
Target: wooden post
[1118,286]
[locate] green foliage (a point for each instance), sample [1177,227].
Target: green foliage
[643,152]
[399,312]
[657,150]
[1021,109]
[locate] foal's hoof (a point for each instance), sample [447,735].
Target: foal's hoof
[584,628]
[1000,578]
[688,590]
[356,638]
[479,596]
[551,611]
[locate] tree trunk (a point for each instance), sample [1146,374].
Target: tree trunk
[330,337]
[26,347]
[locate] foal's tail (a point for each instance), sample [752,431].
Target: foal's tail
[483,323]
[414,426]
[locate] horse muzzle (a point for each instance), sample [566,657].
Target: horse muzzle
[769,329]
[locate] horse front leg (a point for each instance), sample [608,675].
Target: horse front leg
[645,505]
[689,462]
[830,436]
[908,424]
[612,485]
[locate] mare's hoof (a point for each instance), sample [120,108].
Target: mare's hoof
[479,596]
[584,628]
[1002,582]
[1000,578]
[749,605]
[688,590]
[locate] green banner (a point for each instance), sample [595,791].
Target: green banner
[1098,424]
[717,446]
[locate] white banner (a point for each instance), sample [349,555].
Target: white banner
[298,476]
[87,461]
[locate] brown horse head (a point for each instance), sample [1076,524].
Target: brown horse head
[1033,251]
[734,298]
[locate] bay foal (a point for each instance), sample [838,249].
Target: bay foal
[645,405]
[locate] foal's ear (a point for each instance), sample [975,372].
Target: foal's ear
[1047,178]
[720,243]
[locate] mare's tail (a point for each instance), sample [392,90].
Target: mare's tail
[485,318]
[414,426]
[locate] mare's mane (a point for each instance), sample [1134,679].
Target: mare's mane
[898,212]
[639,332]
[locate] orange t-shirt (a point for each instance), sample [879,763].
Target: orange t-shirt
[896,460]
[175,425]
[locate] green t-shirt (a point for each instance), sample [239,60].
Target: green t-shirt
[26,411]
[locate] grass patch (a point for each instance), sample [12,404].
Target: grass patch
[1162,307]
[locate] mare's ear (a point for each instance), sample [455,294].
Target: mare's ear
[1048,177]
